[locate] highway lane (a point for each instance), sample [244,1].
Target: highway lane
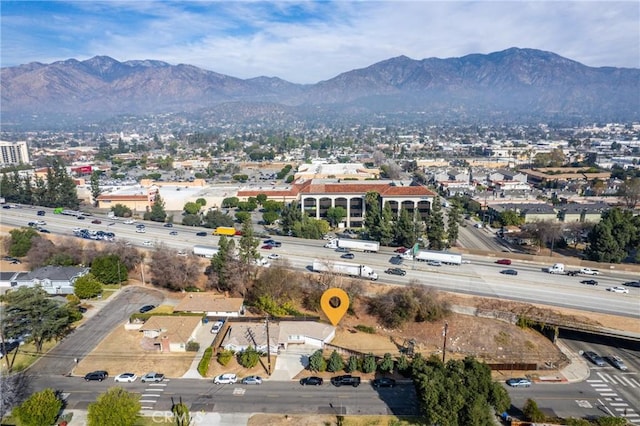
[480,277]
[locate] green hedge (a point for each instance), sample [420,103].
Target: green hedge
[203,365]
[148,315]
[365,329]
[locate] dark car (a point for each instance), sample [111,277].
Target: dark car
[594,358]
[589,282]
[80,217]
[44,231]
[41,212]
[201,234]
[503,261]
[146,308]
[348,256]
[96,375]
[173,233]
[168,225]
[509,272]
[311,381]
[346,380]
[632,284]
[82,309]
[383,382]
[96,221]
[396,271]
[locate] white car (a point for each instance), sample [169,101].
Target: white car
[274,256]
[618,290]
[225,379]
[126,378]
[589,271]
[216,327]
[129,222]
[140,230]
[147,243]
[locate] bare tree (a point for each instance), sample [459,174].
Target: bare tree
[13,389]
[630,192]
[544,232]
[172,271]
[40,252]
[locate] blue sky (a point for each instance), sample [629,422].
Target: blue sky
[310,41]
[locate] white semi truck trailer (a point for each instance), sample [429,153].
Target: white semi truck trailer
[344,268]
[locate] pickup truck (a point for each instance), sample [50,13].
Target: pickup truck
[152,377]
[589,271]
[346,380]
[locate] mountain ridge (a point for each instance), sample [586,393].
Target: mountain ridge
[510,82]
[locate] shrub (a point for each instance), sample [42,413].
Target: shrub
[336,363]
[386,364]
[317,362]
[369,363]
[87,286]
[193,346]
[365,329]
[41,408]
[249,358]
[532,412]
[203,365]
[353,364]
[224,357]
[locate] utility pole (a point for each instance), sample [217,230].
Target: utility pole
[444,343]
[268,346]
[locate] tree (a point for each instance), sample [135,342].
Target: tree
[615,237]
[385,228]
[30,310]
[120,210]
[115,407]
[317,362]
[109,269]
[369,363]
[242,216]
[386,364]
[405,230]
[191,208]
[230,202]
[248,245]
[435,226]
[87,286]
[249,358]
[269,217]
[171,271]
[455,216]
[290,216]
[261,198]
[41,408]
[180,412]
[532,412]
[372,217]
[352,364]
[336,363]
[95,186]
[201,202]
[191,220]
[14,387]
[510,218]
[336,215]
[21,241]
[630,192]
[157,213]
[216,218]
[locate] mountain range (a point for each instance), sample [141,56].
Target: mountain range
[513,84]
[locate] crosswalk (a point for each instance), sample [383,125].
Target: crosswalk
[605,386]
[150,395]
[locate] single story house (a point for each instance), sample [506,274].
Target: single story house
[52,279]
[306,333]
[211,305]
[171,333]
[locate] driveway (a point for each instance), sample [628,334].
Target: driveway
[61,359]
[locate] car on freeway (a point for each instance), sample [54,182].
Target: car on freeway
[434,263]
[41,212]
[225,379]
[147,243]
[401,250]
[594,358]
[519,382]
[632,283]
[311,381]
[589,271]
[383,382]
[80,217]
[252,380]
[152,377]
[589,282]
[617,362]
[216,326]
[273,256]
[348,256]
[272,243]
[126,378]
[168,225]
[99,376]
[201,234]
[395,271]
[96,221]
[140,225]
[509,272]
[342,250]
[267,247]
[44,231]
[146,308]
[141,230]
[503,261]
[618,290]
[129,222]
[173,233]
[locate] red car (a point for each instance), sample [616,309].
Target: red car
[503,261]
[401,250]
[267,247]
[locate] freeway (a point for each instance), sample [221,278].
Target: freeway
[480,277]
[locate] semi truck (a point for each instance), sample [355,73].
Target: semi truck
[204,251]
[229,231]
[556,268]
[358,245]
[344,268]
[435,256]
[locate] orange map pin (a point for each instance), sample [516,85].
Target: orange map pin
[334,303]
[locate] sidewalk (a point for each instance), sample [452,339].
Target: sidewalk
[578,369]
[205,338]
[198,418]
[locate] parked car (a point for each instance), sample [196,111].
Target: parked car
[617,362]
[383,382]
[311,381]
[509,272]
[519,382]
[346,380]
[96,376]
[348,256]
[126,378]
[224,379]
[618,290]
[589,282]
[201,234]
[146,308]
[503,261]
[396,271]
[96,221]
[217,326]
[152,377]
[252,380]
[594,358]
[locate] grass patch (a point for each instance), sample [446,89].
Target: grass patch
[163,309]
[27,355]
[365,329]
